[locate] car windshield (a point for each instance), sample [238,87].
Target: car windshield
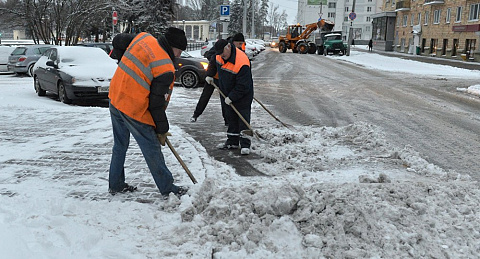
[334,37]
[81,55]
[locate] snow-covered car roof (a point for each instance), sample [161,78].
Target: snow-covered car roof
[85,62]
[333,34]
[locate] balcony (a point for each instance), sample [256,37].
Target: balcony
[434,2]
[401,6]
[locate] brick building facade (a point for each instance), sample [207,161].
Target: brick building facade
[443,28]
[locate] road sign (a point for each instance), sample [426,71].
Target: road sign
[114,17]
[224,10]
[352,16]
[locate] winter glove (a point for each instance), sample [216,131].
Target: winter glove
[228,101]
[163,138]
[209,80]
[193,119]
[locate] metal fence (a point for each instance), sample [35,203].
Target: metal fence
[194,46]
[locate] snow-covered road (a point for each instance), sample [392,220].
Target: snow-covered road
[421,108]
[329,192]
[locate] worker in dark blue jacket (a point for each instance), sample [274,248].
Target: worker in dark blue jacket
[235,81]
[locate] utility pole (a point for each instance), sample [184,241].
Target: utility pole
[352,17]
[244,24]
[253,19]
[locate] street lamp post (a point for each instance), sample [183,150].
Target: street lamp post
[350,32]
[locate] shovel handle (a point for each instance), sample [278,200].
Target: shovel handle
[181,161]
[269,112]
[238,113]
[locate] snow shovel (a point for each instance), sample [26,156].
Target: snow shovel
[181,161]
[288,126]
[249,132]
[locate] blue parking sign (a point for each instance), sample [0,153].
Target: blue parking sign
[224,10]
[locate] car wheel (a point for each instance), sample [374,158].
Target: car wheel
[189,79]
[320,50]
[282,47]
[312,48]
[30,70]
[302,48]
[38,88]
[62,94]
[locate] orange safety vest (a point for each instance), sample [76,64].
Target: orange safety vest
[241,59]
[129,91]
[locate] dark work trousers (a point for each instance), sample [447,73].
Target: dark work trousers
[236,125]
[203,101]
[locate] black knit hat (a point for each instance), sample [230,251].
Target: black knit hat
[176,38]
[219,45]
[238,37]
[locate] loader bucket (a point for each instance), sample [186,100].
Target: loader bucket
[325,25]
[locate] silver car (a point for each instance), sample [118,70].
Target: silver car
[23,58]
[5,52]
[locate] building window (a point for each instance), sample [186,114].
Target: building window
[411,19]
[367,19]
[332,5]
[346,9]
[419,18]
[367,28]
[473,16]
[331,15]
[449,13]
[426,17]
[369,0]
[345,19]
[436,17]
[458,17]
[369,9]
[405,18]
[393,3]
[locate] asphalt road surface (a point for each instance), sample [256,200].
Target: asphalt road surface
[427,113]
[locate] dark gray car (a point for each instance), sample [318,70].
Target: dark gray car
[23,58]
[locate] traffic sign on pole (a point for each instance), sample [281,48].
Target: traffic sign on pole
[352,16]
[224,10]
[114,17]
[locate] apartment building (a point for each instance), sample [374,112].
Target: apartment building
[443,28]
[338,11]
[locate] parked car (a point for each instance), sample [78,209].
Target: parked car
[208,45]
[23,58]
[74,72]
[190,71]
[250,54]
[5,52]
[107,46]
[259,47]
[259,42]
[252,48]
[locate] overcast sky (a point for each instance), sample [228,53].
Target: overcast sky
[290,7]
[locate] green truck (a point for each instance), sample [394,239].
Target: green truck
[330,43]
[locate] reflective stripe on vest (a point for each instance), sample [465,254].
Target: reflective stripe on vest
[241,60]
[143,60]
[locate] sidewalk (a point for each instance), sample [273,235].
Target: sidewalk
[427,59]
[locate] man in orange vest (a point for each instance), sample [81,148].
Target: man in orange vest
[139,94]
[235,81]
[239,41]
